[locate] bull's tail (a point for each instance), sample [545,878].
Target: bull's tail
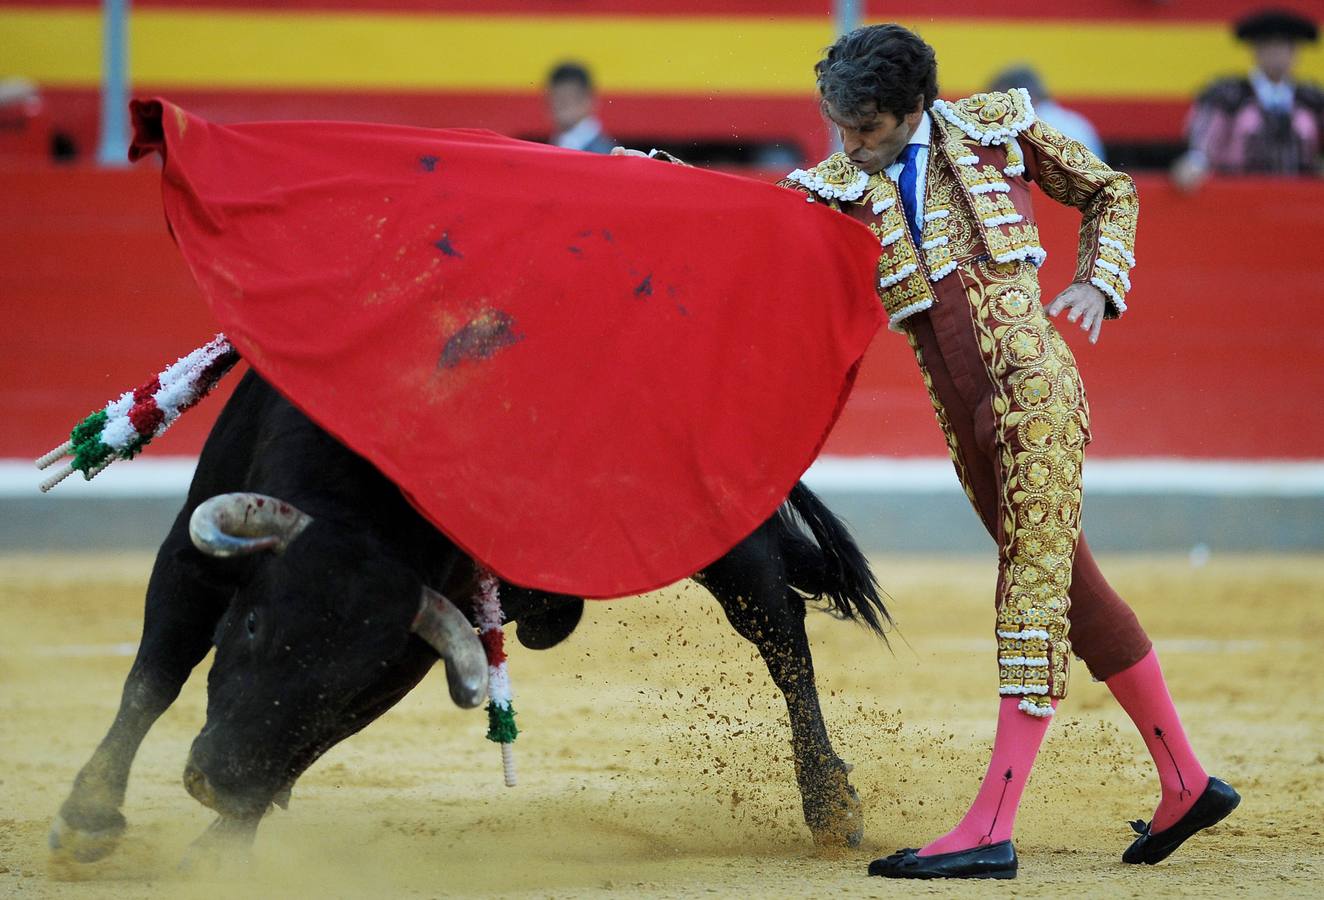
[836,570]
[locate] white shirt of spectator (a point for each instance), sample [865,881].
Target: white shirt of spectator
[1275,96]
[580,135]
[1070,123]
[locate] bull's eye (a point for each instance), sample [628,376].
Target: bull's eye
[251,622]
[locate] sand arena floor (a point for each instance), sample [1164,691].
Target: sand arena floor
[655,755]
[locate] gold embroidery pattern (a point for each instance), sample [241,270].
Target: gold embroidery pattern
[953,447]
[989,118]
[1007,236]
[1070,174]
[1042,426]
[835,178]
[903,283]
[948,235]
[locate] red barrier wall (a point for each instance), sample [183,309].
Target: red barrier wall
[1221,355]
[1221,351]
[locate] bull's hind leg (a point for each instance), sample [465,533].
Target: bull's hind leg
[750,584]
[225,845]
[181,611]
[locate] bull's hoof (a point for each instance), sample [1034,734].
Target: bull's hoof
[81,845]
[224,849]
[844,827]
[834,812]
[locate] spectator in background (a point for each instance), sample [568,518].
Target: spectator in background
[1067,121]
[571,103]
[1265,122]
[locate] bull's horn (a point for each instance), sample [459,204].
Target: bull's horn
[443,626]
[243,523]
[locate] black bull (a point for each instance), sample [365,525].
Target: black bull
[316,635]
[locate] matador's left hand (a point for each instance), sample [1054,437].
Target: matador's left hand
[1087,305]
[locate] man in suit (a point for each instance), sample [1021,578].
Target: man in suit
[946,188]
[572,105]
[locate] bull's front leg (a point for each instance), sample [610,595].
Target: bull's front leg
[181,611]
[767,613]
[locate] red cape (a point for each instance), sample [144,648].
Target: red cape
[594,374]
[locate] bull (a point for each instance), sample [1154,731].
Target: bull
[325,594]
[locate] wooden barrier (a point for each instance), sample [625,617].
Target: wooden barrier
[1219,357]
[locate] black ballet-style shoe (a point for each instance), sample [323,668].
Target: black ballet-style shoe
[1152,847]
[989,861]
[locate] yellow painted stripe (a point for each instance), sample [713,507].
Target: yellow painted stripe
[675,55]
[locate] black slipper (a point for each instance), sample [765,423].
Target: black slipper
[1152,847]
[990,861]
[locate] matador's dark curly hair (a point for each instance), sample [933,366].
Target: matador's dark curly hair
[878,68]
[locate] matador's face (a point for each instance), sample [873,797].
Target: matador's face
[873,142]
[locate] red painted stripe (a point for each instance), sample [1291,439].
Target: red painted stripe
[1215,357]
[914,12]
[670,118]
[1125,119]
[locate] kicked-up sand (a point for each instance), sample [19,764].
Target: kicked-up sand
[655,760]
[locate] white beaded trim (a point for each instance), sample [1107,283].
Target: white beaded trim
[1023,689]
[966,160]
[1043,712]
[1011,170]
[1008,219]
[905,312]
[1116,270]
[1110,291]
[1120,248]
[1032,634]
[943,272]
[815,183]
[1021,661]
[994,136]
[1036,255]
[999,187]
[883,206]
[901,275]
[936,214]
[891,238]
[935,243]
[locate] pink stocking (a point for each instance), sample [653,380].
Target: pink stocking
[1144,695]
[993,813]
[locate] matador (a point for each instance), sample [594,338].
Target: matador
[945,186]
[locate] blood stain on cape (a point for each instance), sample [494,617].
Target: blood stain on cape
[445,246]
[485,334]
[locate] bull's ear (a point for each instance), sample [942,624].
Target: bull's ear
[242,524]
[441,624]
[544,628]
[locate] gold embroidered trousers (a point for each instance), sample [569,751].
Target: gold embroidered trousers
[1010,402]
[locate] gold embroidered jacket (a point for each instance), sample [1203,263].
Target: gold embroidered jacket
[984,152]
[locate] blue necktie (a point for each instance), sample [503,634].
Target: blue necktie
[909,173]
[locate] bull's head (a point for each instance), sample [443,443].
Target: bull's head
[318,640]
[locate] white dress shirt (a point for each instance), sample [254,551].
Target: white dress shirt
[921,137]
